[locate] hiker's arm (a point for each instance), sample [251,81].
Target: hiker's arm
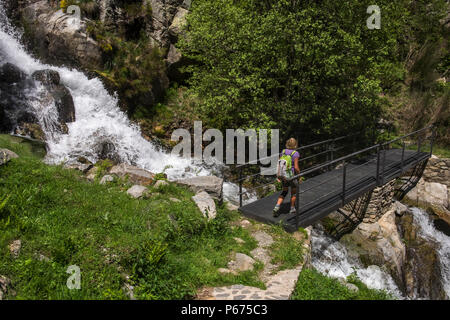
[296,167]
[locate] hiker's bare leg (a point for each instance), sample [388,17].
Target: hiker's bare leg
[293,196]
[276,210]
[281,198]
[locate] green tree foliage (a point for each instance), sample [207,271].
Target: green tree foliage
[308,67]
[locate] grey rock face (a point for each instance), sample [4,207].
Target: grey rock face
[206,204]
[137,191]
[211,184]
[134,174]
[57,93]
[6,155]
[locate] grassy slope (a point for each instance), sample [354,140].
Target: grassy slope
[58,214]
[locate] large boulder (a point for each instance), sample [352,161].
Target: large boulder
[431,195]
[11,74]
[14,106]
[107,150]
[6,155]
[211,184]
[59,38]
[135,175]
[138,191]
[379,244]
[57,94]
[206,204]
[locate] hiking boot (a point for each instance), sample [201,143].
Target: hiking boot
[276,211]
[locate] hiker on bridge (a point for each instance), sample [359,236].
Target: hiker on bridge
[287,168]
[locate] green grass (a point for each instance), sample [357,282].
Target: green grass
[286,251]
[168,249]
[312,285]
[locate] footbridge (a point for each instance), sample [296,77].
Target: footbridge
[333,176]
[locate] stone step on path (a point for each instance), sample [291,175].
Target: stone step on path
[279,286]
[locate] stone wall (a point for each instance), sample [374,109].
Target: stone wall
[380,202]
[438,170]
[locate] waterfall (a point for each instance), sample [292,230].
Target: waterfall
[98,119]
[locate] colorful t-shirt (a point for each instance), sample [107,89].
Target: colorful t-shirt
[294,156]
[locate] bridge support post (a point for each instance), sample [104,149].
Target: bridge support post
[240,187]
[433,136]
[344,181]
[297,206]
[378,165]
[403,155]
[383,166]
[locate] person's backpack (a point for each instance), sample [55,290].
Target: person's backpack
[285,163]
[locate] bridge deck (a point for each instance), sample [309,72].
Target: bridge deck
[322,194]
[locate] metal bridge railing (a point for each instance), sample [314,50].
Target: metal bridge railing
[376,153]
[331,150]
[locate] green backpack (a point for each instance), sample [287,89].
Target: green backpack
[284,170]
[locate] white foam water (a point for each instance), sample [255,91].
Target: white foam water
[428,231]
[332,259]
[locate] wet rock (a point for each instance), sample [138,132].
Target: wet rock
[379,244]
[422,270]
[32,130]
[11,74]
[57,93]
[47,77]
[107,150]
[135,175]
[211,184]
[206,204]
[138,191]
[14,106]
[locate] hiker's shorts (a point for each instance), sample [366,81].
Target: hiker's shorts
[292,183]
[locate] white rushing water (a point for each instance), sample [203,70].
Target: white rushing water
[428,231]
[98,119]
[332,258]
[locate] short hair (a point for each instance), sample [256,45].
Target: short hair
[291,144]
